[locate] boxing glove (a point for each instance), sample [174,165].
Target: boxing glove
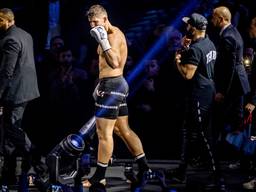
[101,36]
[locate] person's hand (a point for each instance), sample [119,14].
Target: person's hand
[185,42]
[249,107]
[177,58]
[219,97]
[101,36]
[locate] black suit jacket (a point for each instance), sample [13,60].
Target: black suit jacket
[18,79]
[230,75]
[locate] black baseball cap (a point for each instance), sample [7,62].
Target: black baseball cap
[196,20]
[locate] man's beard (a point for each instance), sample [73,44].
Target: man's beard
[189,34]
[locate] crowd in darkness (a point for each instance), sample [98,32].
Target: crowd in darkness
[67,69]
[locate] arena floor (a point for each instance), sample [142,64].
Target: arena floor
[197,178]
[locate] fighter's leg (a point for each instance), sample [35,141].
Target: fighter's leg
[130,138]
[104,128]
[135,146]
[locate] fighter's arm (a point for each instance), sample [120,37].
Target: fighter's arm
[113,55]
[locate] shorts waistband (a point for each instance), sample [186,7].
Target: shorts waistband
[114,77]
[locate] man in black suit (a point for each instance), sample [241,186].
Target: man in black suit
[18,86]
[231,79]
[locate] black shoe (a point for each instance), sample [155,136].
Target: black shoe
[23,182]
[129,174]
[97,187]
[221,186]
[178,175]
[198,163]
[140,180]
[218,186]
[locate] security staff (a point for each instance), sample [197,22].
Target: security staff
[195,62]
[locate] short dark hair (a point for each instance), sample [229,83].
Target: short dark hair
[54,38]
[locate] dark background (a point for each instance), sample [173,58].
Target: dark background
[161,140]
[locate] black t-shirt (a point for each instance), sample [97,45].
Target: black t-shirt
[201,53]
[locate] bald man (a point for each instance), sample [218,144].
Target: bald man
[230,76]
[18,86]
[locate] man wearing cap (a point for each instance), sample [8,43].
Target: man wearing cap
[18,86]
[196,65]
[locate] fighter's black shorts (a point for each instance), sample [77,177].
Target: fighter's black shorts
[110,97]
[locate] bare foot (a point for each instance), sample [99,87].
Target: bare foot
[87,184]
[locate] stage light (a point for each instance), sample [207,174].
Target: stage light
[64,161]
